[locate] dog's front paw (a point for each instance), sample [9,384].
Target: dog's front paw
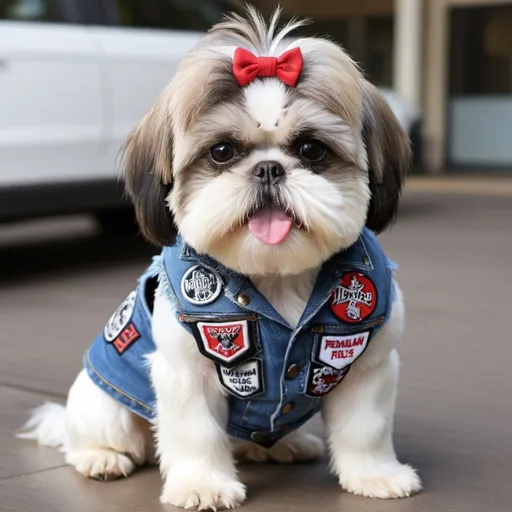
[383,481]
[203,491]
[101,463]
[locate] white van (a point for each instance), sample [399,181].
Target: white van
[75,77]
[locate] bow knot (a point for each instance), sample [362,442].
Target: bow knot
[287,67]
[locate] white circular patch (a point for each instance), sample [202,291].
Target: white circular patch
[200,285]
[120,318]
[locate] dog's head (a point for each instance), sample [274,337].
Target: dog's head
[266,177]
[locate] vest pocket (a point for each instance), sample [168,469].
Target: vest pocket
[335,349]
[348,328]
[190,319]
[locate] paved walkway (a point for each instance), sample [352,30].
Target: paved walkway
[454,417]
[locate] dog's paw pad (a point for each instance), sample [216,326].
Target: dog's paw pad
[297,447]
[400,481]
[208,493]
[100,463]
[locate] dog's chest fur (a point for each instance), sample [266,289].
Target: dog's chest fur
[287,294]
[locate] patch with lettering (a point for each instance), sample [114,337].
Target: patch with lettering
[323,379]
[200,285]
[126,338]
[244,381]
[355,298]
[120,331]
[340,352]
[227,343]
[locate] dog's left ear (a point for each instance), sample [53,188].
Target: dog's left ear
[389,158]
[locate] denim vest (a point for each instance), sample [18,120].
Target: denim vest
[276,376]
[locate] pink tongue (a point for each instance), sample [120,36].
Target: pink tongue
[270,226]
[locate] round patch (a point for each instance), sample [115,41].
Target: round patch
[120,318]
[355,298]
[200,285]
[323,379]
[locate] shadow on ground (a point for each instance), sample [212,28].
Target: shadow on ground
[87,249]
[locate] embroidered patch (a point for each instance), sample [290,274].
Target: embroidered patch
[119,330]
[341,351]
[200,285]
[225,342]
[244,381]
[355,298]
[323,379]
[128,335]
[120,318]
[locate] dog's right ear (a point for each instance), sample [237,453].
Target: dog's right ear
[147,165]
[389,158]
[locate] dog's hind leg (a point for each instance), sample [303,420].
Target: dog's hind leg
[100,438]
[299,446]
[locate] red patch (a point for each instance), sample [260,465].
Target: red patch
[128,335]
[224,341]
[355,298]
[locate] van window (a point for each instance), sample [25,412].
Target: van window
[30,10]
[173,14]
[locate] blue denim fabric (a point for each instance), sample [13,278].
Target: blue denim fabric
[264,417]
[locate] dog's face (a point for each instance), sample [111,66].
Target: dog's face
[266,178]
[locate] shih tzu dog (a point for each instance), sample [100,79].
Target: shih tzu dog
[264,170]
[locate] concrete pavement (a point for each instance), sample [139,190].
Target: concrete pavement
[60,280]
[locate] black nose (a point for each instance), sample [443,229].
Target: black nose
[269,172]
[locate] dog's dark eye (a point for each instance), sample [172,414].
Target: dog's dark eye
[222,152]
[312,151]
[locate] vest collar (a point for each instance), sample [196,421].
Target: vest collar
[354,257]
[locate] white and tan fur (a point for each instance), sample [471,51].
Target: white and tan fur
[171,182]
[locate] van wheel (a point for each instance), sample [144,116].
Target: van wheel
[117,221]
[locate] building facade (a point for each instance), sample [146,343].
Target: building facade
[451,58]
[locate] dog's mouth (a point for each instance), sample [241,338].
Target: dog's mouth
[271,225]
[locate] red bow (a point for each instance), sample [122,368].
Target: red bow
[287,67]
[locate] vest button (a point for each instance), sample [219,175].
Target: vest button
[293,371]
[243,299]
[287,408]
[260,437]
